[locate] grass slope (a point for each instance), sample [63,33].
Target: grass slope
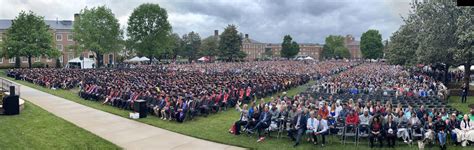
[455,102]
[36,128]
[214,127]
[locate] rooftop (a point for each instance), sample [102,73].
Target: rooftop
[53,24]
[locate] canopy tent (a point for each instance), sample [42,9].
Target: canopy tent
[144,59]
[308,58]
[78,63]
[203,59]
[462,67]
[134,59]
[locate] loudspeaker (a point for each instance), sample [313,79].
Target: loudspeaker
[11,105]
[140,107]
[12,90]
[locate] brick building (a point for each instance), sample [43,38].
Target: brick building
[353,46]
[306,49]
[63,40]
[252,48]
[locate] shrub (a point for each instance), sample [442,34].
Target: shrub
[38,65]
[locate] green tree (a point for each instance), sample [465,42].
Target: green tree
[402,47]
[342,52]
[465,40]
[371,44]
[98,30]
[176,45]
[29,37]
[191,43]
[209,47]
[289,48]
[334,47]
[230,43]
[327,52]
[149,30]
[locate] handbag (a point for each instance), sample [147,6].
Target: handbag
[232,129]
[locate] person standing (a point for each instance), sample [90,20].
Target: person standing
[464,94]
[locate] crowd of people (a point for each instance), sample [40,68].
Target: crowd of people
[183,91]
[382,79]
[179,92]
[383,122]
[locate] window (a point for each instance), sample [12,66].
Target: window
[70,56]
[61,58]
[59,37]
[69,37]
[59,47]
[24,59]
[48,59]
[38,59]
[11,60]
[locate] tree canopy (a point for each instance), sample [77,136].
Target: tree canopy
[209,47]
[439,32]
[191,43]
[371,44]
[334,47]
[29,37]
[230,42]
[98,30]
[289,48]
[149,31]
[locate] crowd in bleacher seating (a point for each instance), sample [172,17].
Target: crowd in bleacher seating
[382,103]
[179,92]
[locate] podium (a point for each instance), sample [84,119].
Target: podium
[140,107]
[11,103]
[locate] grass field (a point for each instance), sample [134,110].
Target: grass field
[36,128]
[455,102]
[213,127]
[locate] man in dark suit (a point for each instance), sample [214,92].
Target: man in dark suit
[263,122]
[464,94]
[299,126]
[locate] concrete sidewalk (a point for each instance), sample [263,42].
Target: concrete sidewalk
[126,133]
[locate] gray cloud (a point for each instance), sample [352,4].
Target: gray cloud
[265,20]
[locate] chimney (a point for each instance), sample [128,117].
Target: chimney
[246,36]
[216,33]
[76,17]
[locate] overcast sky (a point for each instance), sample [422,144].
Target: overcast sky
[307,21]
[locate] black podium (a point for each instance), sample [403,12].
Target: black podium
[11,103]
[140,107]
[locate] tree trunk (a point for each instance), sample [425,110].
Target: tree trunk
[29,61]
[99,59]
[446,69]
[467,71]
[151,59]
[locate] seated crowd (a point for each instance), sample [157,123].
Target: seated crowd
[179,92]
[382,79]
[317,116]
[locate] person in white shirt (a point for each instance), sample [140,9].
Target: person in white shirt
[322,130]
[338,107]
[364,121]
[467,131]
[311,126]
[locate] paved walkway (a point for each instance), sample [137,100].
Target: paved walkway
[126,133]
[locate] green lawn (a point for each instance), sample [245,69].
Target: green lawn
[455,102]
[36,128]
[214,127]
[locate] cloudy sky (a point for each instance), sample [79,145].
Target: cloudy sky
[264,20]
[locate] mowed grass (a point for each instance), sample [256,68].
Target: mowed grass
[455,102]
[36,128]
[215,127]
